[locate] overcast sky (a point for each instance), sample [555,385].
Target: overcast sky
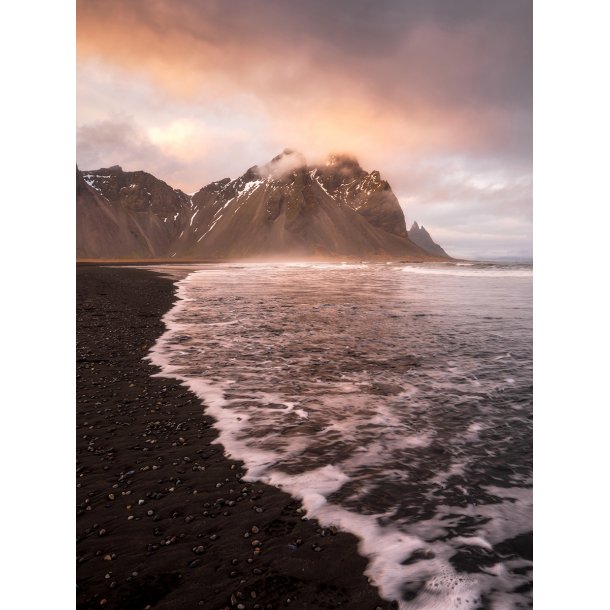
[435,94]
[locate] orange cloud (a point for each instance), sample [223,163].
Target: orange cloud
[421,96]
[210,88]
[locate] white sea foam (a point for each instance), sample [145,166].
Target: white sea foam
[242,383]
[460,271]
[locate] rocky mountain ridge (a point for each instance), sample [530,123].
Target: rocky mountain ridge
[284,208]
[418,235]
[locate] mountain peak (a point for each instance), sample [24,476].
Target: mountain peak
[418,235]
[283,164]
[287,152]
[112,168]
[343,161]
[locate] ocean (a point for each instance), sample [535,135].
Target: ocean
[394,400]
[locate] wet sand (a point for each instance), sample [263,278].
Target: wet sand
[164,520]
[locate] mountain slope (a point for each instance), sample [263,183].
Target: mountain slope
[364,193]
[285,209]
[282,209]
[127,214]
[418,235]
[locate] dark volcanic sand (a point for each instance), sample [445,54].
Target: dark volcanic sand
[163,518]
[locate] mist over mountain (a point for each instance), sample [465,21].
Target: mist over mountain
[284,208]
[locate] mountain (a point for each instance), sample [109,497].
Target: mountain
[418,235]
[127,214]
[365,193]
[287,208]
[282,209]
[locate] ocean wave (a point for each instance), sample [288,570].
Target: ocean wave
[471,270]
[402,430]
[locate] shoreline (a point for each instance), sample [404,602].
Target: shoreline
[348,258]
[164,520]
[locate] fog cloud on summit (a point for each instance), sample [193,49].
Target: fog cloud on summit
[435,94]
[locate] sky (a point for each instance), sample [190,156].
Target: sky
[435,94]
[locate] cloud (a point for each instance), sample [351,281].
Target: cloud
[282,164]
[222,85]
[173,151]
[471,211]
[435,77]
[181,138]
[119,142]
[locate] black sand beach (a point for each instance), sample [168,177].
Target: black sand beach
[164,520]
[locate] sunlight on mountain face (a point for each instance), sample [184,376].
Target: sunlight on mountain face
[284,208]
